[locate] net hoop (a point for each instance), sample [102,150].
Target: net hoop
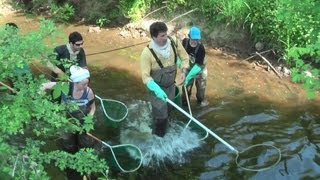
[107,115]
[116,160]
[201,138]
[261,169]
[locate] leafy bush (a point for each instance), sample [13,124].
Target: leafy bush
[62,13]
[29,118]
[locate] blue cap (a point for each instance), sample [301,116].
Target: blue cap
[195,33]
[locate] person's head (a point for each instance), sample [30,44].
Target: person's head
[195,36]
[158,31]
[79,76]
[75,41]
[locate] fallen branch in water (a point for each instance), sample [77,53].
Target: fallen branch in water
[269,64]
[256,54]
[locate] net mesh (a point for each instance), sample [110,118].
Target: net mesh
[124,157]
[258,157]
[114,111]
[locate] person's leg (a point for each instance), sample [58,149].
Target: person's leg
[160,116]
[161,111]
[69,143]
[201,84]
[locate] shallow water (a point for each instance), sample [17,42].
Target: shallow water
[247,107]
[294,131]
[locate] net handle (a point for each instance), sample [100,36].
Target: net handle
[114,155]
[201,125]
[190,111]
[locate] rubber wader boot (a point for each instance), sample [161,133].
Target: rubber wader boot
[159,127]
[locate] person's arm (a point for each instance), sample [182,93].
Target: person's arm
[184,57]
[47,86]
[55,69]
[93,105]
[200,56]
[57,56]
[145,65]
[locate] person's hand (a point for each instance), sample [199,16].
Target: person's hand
[193,72]
[60,74]
[161,94]
[181,79]
[154,87]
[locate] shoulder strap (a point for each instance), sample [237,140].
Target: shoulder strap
[155,56]
[174,46]
[197,48]
[186,44]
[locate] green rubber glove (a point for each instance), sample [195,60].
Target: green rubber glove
[179,62]
[193,72]
[154,87]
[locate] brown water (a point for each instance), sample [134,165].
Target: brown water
[255,107]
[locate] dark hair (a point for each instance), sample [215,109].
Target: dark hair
[157,27]
[74,37]
[11,24]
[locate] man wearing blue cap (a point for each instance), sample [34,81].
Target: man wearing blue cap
[197,72]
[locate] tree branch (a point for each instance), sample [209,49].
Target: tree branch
[269,64]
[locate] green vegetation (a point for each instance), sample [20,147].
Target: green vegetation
[289,27]
[30,120]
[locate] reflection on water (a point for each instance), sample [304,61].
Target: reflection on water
[294,131]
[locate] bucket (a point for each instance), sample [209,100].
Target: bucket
[177,96]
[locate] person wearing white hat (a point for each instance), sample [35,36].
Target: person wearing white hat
[83,96]
[197,73]
[79,92]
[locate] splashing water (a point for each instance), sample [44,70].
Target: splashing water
[156,150]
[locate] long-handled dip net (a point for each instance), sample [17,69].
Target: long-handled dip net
[258,157]
[114,111]
[126,157]
[191,124]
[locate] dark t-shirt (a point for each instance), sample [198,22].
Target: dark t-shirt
[200,54]
[63,53]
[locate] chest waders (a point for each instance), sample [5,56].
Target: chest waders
[165,78]
[200,80]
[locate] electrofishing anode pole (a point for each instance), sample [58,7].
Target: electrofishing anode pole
[203,126]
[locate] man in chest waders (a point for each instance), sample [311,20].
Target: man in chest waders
[158,71]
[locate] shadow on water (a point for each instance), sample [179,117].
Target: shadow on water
[241,121]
